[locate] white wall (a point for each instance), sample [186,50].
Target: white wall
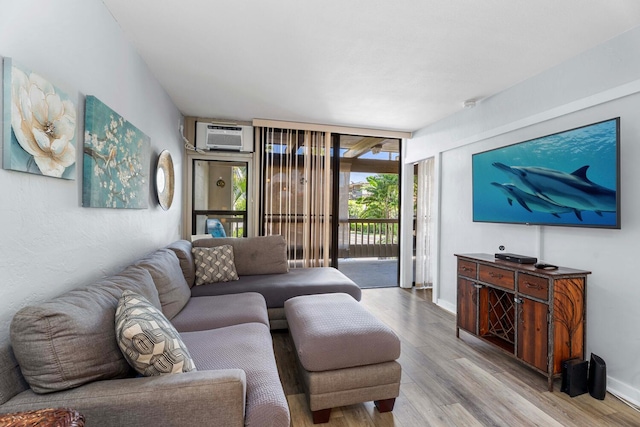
[48,242]
[597,85]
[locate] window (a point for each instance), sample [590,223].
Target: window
[219,198]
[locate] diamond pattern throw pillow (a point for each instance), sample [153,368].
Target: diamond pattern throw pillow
[147,340]
[214,264]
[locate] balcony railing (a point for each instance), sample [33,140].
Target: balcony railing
[365,238]
[357,238]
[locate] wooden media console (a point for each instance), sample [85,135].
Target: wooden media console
[538,316]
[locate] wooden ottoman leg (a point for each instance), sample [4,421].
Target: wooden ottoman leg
[385,405]
[321,416]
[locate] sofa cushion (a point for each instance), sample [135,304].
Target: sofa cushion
[173,289]
[248,347]
[224,310]
[214,265]
[254,255]
[277,288]
[70,340]
[182,249]
[11,380]
[148,341]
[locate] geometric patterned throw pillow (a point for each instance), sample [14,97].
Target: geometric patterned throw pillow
[214,264]
[151,344]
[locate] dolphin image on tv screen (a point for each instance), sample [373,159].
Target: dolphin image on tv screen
[571,190]
[531,202]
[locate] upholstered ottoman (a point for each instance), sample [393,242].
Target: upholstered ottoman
[345,354]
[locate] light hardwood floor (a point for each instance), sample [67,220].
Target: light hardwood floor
[452,382]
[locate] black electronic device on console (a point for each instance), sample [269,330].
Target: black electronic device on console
[543,266]
[520,259]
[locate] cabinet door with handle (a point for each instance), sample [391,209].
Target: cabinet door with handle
[533,332]
[467,305]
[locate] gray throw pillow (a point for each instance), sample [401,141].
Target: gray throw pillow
[70,340]
[147,340]
[214,264]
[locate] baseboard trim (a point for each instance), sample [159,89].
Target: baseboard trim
[446,305]
[623,391]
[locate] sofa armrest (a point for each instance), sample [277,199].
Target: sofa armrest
[191,398]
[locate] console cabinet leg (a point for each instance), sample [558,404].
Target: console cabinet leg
[385,405]
[322,416]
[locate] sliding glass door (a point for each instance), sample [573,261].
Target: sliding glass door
[335,199]
[369,210]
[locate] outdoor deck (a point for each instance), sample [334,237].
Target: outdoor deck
[370,272]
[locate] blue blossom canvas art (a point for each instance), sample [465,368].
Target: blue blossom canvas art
[116,160]
[39,125]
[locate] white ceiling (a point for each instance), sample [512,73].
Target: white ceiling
[399,65]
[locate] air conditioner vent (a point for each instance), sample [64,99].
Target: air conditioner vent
[224,138]
[211,136]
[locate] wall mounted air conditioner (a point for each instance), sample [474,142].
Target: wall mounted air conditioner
[213,136]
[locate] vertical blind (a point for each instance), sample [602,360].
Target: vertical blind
[424,226]
[296,192]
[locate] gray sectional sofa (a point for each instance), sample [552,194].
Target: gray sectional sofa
[64,353]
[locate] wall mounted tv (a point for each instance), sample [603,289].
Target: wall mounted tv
[570,178]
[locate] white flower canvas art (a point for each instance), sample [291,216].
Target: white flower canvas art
[39,125]
[115,160]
